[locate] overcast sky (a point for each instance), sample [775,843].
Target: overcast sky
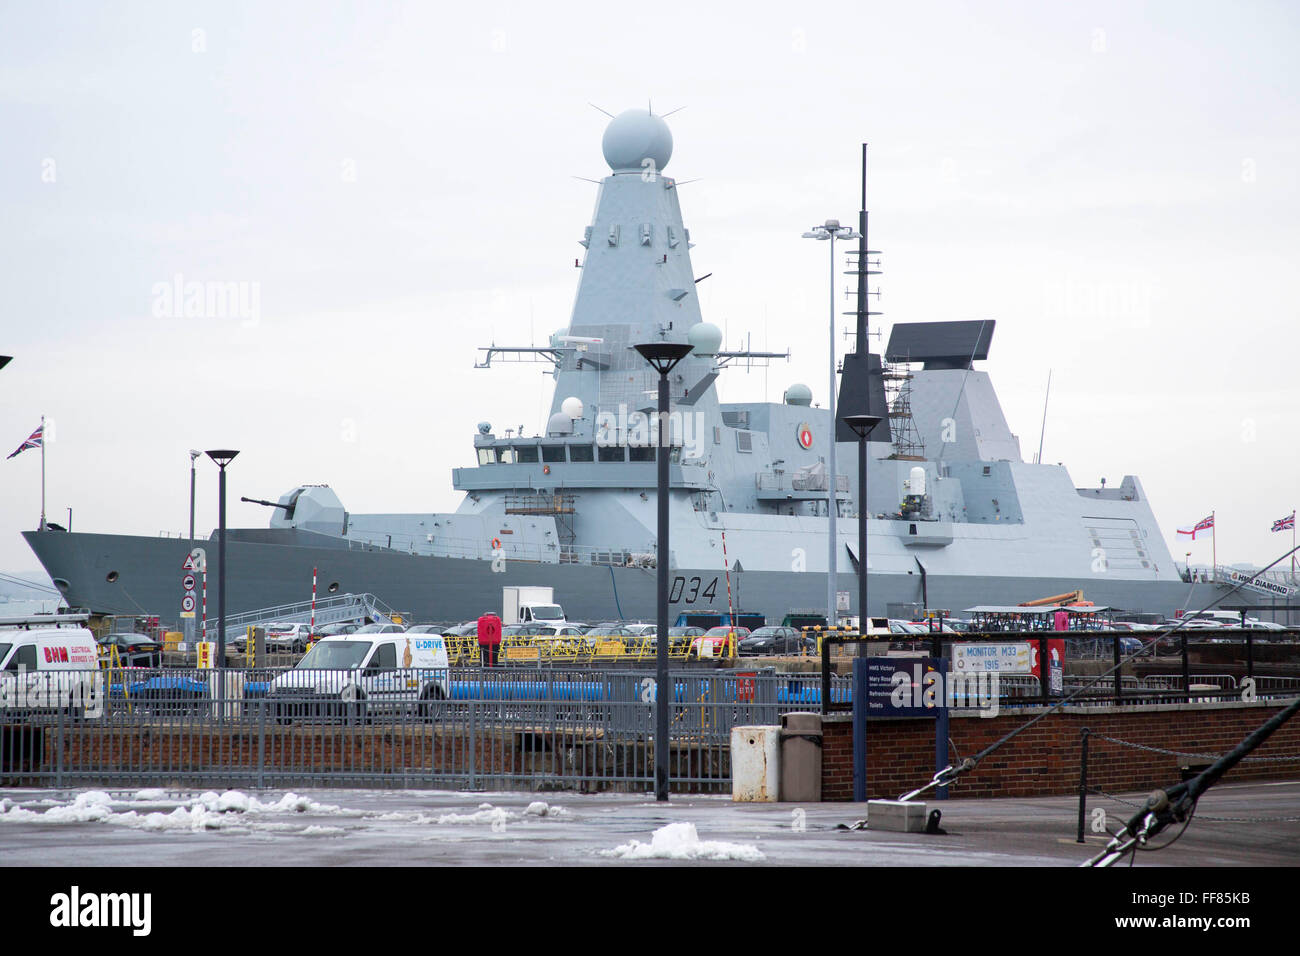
[1114,183]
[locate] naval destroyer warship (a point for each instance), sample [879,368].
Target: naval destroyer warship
[956,516]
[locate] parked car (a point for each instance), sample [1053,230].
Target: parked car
[335,630]
[380,629]
[714,641]
[286,637]
[134,650]
[608,630]
[772,639]
[468,629]
[679,638]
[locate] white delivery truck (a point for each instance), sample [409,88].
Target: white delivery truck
[527,605]
[47,664]
[351,675]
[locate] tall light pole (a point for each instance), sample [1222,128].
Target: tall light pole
[862,426]
[663,358]
[832,230]
[222,457]
[193,457]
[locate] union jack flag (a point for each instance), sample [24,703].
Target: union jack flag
[1205,524]
[33,441]
[1285,524]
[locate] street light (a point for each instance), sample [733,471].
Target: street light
[222,457]
[832,230]
[862,426]
[663,358]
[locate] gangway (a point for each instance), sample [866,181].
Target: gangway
[336,609]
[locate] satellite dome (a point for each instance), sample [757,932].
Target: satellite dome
[571,407]
[798,394]
[634,136]
[705,337]
[559,424]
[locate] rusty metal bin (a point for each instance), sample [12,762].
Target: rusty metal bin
[801,757]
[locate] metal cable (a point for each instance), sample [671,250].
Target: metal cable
[1200,816]
[1183,753]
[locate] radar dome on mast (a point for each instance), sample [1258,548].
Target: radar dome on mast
[705,338]
[634,136]
[798,394]
[571,407]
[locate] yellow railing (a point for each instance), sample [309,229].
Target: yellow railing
[521,648]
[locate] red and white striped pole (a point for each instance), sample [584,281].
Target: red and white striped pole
[313,601]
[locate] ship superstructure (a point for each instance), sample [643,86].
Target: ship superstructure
[956,516]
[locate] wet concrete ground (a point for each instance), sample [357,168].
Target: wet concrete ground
[423,828]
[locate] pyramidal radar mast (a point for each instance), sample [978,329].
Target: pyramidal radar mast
[637,285]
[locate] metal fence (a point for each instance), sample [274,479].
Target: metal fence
[461,728]
[579,730]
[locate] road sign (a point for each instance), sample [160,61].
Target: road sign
[902,686]
[196,560]
[187,603]
[187,583]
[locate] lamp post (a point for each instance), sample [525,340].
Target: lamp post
[663,358]
[862,426]
[193,457]
[222,457]
[832,230]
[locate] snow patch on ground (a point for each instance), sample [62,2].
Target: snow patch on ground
[680,841]
[233,809]
[323,831]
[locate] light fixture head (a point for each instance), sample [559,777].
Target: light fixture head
[861,424]
[222,456]
[664,356]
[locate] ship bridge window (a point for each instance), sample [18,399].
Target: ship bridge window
[581,453]
[507,456]
[526,454]
[487,456]
[611,453]
[552,453]
[641,453]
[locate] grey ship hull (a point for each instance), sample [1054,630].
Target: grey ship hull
[271,567]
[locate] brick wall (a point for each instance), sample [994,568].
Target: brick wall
[1045,758]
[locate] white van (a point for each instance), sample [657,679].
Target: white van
[47,665]
[354,674]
